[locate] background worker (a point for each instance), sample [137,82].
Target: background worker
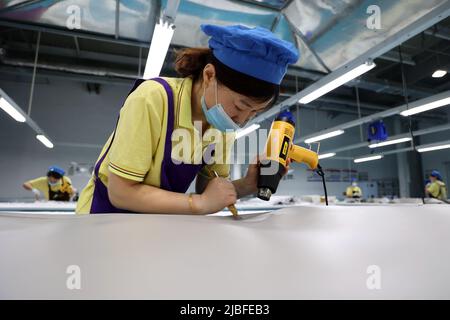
[436,188]
[55,186]
[353,191]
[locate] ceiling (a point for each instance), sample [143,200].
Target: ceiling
[112,42]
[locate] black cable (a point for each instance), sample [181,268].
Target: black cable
[322,174]
[405,96]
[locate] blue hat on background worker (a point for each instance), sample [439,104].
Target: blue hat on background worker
[57,170]
[256,52]
[436,174]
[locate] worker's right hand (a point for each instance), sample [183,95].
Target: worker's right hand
[219,193]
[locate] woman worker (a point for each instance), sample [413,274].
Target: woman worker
[55,186]
[436,187]
[222,87]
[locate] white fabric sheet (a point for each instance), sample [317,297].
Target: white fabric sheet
[294,253]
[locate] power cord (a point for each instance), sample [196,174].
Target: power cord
[322,174]
[405,96]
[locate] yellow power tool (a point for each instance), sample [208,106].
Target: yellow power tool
[280,148]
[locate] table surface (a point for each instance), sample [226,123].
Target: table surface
[303,252]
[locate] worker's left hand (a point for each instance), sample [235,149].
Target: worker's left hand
[251,178]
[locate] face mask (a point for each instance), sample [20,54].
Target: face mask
[217,117]
[55,184]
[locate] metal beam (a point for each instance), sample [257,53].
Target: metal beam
[349,102]
[434,144]
[379,115]
[18,48]
[275,22]
[375,85]
[75,69]
[73,33]
[416,133]
[18,5]
[385,153]
[171,10]
[439,32]
[53,74]
[367,83]
[428,49]
[323,103]
[394,57]
[425,68]
[260,4]
[423,23]
[371,83]
[299,34]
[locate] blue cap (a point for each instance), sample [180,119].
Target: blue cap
[436,174]
[256,52]
[57,170]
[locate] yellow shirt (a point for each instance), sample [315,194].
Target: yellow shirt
[438,190]
[42,185]
[138,147]
[353,191]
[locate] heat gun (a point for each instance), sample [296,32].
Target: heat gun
[279,148]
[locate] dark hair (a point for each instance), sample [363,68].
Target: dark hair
[190,62]
[53,174]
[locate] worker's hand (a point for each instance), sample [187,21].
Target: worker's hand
[37,193]
[251,178]
[219,193]
[287,168]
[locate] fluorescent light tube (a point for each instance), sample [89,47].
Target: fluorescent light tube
[13,112]
[325,136]
[44,141]
[339,81]
[326,155]
[162,36]
[426,149]
[243,132]
[426,107]
[377,157]
[439,73]
[389,142]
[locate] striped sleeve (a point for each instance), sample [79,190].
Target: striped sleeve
[126,173]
